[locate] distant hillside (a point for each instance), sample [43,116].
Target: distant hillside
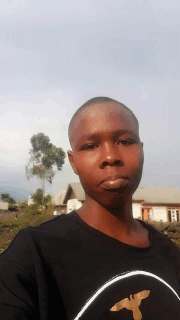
[16,193]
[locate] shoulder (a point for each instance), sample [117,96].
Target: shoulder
[61,227]
[48,241]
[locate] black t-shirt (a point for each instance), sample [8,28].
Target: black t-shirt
[65,269]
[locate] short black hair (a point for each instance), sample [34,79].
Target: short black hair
[91,102]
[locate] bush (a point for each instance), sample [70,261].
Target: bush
[47,200]
[173,235]
[38,196]
[12,207]
[170,229]
[33,209]
[23,205]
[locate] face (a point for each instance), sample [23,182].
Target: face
[107,153]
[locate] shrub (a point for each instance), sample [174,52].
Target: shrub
[47,199]
[23,205]
[38,196]
[12,207]
[33,209]
[173,235]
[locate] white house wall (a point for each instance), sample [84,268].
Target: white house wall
[57,200]
[3,205]
[136,210]
[160,213]
[30,200]
[73,204]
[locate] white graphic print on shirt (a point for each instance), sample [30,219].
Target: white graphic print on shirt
[135,299]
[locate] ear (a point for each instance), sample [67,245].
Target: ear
[71,160]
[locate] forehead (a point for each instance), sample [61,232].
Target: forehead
[102,118]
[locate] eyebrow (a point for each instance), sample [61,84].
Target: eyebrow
[95,136]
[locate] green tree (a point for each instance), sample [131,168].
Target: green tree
[48,199]
[5,197]
[38,197]
[45,159]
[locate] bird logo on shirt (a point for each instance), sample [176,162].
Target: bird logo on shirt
[132,304]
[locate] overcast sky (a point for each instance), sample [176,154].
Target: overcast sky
[55,55]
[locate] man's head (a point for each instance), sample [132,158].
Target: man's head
[104,135]
[93,101]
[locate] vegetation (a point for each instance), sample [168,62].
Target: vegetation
[12,207]
[12,222]
[169,229]
[23,204]
[38,197]
[5,197]
[45,158]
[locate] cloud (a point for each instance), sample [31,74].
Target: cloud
[59,44]
[17,128]
[56,55]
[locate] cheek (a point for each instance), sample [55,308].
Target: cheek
[88,160]
[85,164]
[136,159]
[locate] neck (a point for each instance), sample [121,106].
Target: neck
[116,222]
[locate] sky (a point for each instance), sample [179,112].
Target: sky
[55,55]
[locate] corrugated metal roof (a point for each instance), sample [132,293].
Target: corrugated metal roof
[78,190]
[158,195]
[150,195]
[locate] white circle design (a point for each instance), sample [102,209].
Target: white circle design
[120,277]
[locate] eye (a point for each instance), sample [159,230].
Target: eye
[126,142]
[90,146]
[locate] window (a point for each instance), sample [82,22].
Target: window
[146,213]
[149,214]
[173,214]
[169,215]
[177,214]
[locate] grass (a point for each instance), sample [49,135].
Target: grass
[12,222]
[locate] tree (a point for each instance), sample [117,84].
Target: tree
[5,197]
[47,199]
[38,197]
[45,158]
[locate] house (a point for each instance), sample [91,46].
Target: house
[157,204]
[148,203]
[74,196]
[3,205]
[30,200]
[57,201]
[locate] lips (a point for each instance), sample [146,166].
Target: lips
[114,182]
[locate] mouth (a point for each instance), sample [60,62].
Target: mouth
[114,182]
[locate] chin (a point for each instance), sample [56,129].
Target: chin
[115,202]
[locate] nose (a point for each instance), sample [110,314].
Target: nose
[111,156]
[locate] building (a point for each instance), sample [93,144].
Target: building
[148,203]
[157,204]
[57,201]
[3,205]
[30,200]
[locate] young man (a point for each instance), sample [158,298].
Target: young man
[98,262]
